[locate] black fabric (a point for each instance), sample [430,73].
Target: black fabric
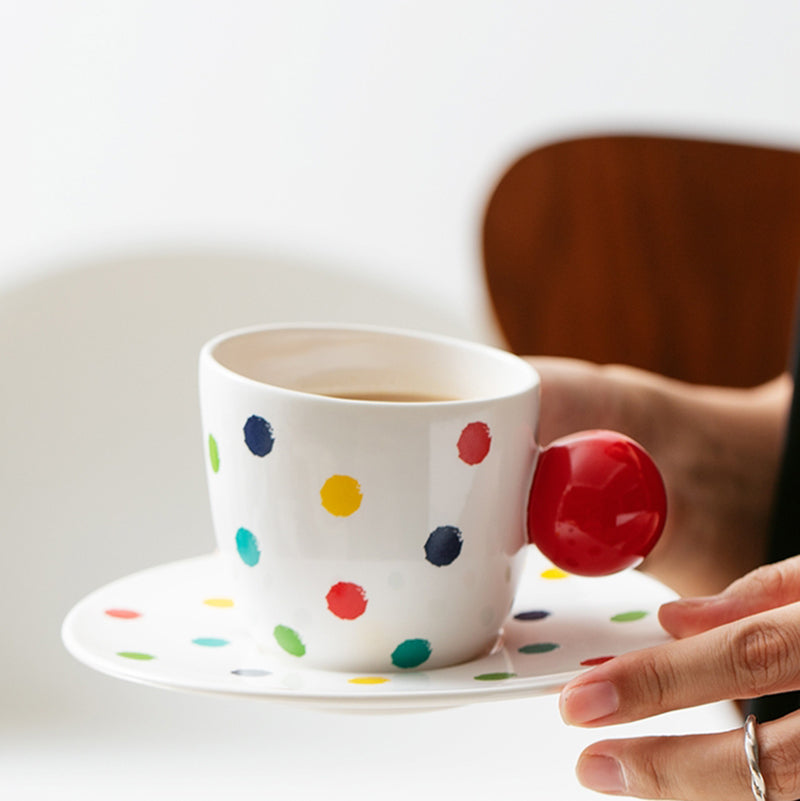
[784,534]
[784,538]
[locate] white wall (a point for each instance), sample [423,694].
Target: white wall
[360,133]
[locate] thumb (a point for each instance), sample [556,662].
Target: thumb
[766,587]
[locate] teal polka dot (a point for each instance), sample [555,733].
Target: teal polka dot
[247,546]
[539,647]
[210,642]
[411,653]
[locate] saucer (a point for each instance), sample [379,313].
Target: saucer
[176,626]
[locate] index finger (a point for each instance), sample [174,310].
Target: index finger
[759,655]
[766,587]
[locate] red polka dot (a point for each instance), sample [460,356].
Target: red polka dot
[596,660]
[347,601]
[124,614]
[474,442]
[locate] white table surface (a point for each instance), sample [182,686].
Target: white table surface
[133,742]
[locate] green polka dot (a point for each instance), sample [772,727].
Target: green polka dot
[628,617]
[411,653]
[495,676]
[539,647]
[135,655]
[213,453]
[289,640]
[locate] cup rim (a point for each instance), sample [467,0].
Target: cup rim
[529,379]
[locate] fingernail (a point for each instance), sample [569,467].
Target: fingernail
[696,603]
[601,773]
[588,702]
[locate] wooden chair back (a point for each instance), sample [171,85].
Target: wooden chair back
[675,255]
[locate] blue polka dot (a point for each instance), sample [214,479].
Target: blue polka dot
[258,435]
[247,546]
[443,546]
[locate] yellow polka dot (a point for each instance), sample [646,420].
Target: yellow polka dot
[220,602]
[368,680]
[341,495]
[554,573]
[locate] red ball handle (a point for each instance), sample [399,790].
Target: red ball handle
[597,503]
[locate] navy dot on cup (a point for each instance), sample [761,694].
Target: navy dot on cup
[258,435]
[443,545]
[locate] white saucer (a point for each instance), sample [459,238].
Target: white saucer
[174,626]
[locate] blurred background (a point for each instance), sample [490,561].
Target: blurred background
[362,135]
[171,169]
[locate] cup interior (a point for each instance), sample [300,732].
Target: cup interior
[372,365]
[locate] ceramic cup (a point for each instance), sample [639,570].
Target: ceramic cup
[370,490]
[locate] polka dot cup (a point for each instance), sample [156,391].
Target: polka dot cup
[370,490]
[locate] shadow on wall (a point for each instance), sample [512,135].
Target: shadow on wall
[102,469]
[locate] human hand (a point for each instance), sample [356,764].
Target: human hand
[741,643]
[718,451]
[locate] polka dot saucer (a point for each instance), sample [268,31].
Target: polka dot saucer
[176,626]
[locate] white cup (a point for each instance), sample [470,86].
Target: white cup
[369,490]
